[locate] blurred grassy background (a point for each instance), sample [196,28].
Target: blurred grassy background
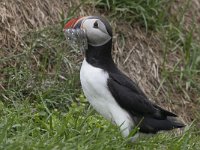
[42,106]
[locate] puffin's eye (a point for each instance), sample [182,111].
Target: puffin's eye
[96,25]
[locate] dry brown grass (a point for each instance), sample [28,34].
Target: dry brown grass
[18,17]
[191,15]
[139,55]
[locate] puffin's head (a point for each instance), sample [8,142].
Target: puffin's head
[96,30]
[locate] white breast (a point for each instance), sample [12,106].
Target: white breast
[94,84]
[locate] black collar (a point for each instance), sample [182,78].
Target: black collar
[100,56]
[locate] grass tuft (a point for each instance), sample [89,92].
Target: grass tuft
[146,13]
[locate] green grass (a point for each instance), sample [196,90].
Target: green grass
[146,13]
[37,125]
[34,126]
[41,103]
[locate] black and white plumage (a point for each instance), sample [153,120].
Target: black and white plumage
[109,91]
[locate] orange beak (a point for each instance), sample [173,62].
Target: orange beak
[71,23]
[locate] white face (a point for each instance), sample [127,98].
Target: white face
[96,32]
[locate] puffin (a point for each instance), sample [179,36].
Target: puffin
[110,92]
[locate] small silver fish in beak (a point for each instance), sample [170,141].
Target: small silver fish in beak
[76,37]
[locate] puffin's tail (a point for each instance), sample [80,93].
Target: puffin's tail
[152,125]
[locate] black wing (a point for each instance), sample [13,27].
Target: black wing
[129,96]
